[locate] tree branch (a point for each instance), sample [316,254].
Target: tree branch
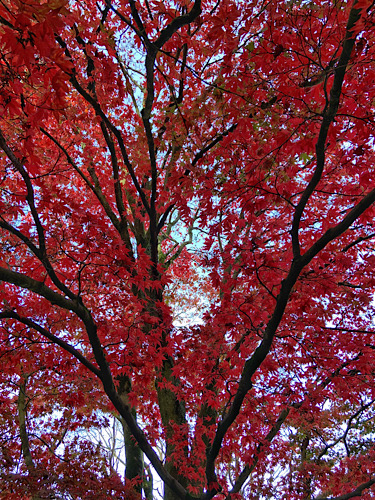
[84,314]
[75,306]
[178,23]
[95,188]
[43,259]
[247,470]
[355,493]
[98,110]
[39,288]
[40,252]
[283,415]
[260,353]
[123,226]
[56,340]
[30,190]
[336,231]
[328,117]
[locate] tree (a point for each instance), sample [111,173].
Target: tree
[215,158]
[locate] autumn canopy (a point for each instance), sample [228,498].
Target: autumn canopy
[187,247]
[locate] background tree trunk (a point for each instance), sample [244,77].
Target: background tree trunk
[25,444]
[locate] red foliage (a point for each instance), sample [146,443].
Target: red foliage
[186,231]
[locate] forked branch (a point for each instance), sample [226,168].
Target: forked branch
[328,117]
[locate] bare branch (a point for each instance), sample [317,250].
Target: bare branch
[283,415]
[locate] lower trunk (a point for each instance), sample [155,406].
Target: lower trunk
[133,454]
[172,412]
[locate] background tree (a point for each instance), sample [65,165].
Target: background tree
[215,156]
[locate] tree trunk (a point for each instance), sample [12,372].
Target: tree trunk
[172,411]
[133,454]
[25,445]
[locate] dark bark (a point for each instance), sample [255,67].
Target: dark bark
[172,412]
[133,453]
